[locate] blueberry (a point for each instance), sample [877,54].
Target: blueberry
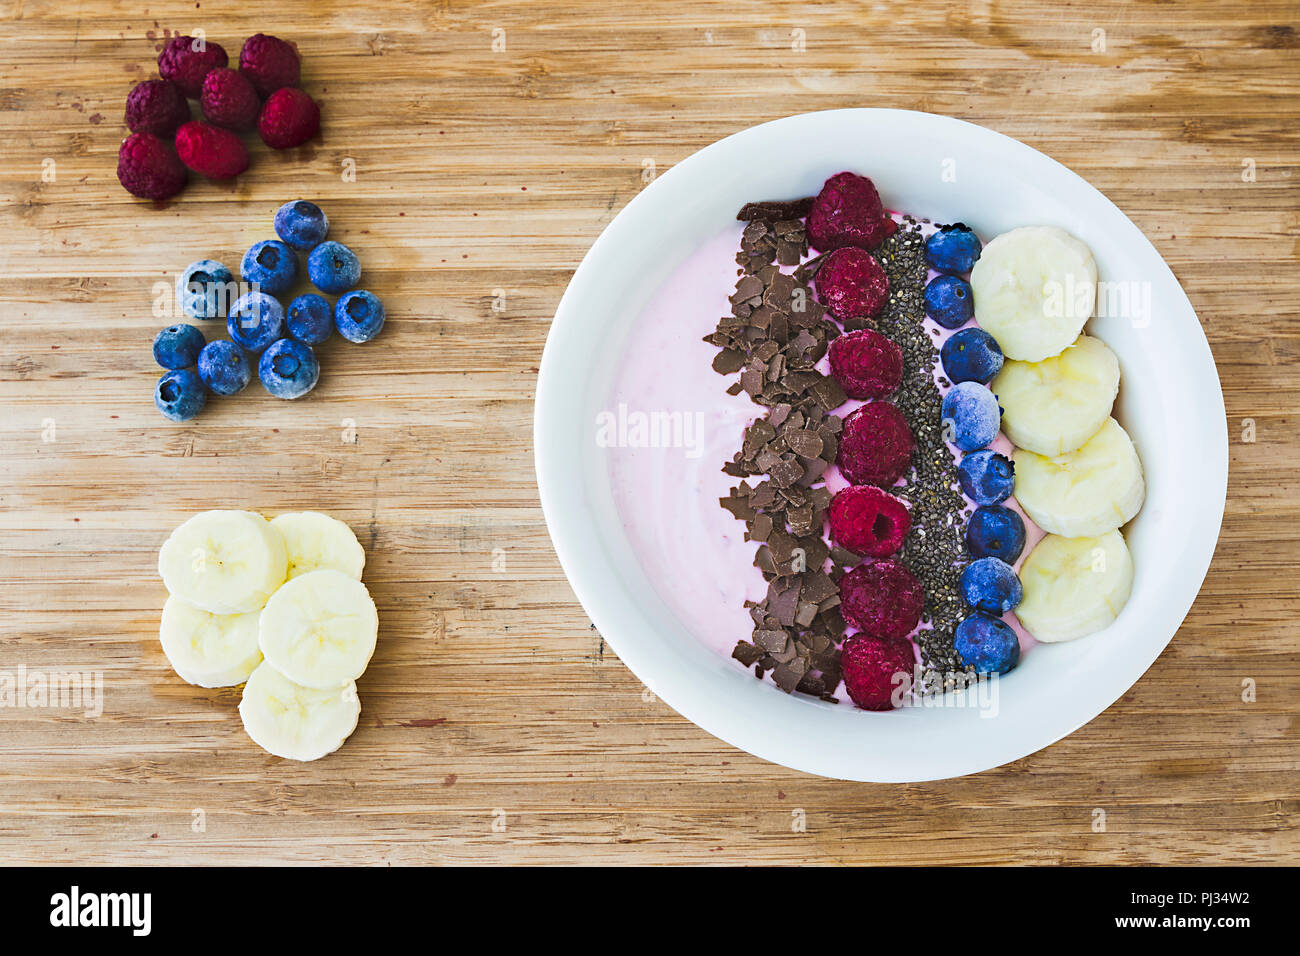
[224,367]
[953,249]
[177,346]
[333,267]
[310,318]
[995,531]
[987,477]
[271,265]
[991,585]
[256,320]
[302,224]
[987,644]
[288,369]
[359,316]
[179,394]
[206,289]
[974,413]
[971,355]
[949,301]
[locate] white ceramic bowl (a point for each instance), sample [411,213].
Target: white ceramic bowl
[1170,402]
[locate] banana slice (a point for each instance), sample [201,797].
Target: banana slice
[1054,406]
[206,649]
[296,722]
[225,562]
[319,629]
[315,541]
[1074,586]
[1034,289]
[1094,489]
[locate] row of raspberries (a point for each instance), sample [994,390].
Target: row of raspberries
[262,93]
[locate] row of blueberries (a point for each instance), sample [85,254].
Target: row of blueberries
[258,323]
[995,535]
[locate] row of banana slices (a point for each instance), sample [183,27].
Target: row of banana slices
[279,607]
[1078,475]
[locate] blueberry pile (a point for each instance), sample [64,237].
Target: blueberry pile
[258,323]
[995,535]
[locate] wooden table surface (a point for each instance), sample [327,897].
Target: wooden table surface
[491,144]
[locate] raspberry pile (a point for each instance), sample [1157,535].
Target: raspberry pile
[166,143]
[258,322]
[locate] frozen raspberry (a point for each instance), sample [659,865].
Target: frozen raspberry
[289,118]
[228,99]
[869,521]
[211,151]
[270,63]
[156,106]
[866,364]
[147,167]
[847,212]
[852,284]
[875,445]
[882,599]
[877,673]
[186,61]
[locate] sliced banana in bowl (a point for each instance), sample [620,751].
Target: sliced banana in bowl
[1054,406]
[319,629]
[1034,288]
[1074,587]
[206,649]
[225,562]
[295,722]
[1090,491]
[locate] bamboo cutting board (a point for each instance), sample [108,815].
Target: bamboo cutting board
[490,143]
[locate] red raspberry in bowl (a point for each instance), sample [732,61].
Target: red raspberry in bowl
[875,445]
[228,99]
[851,283]
[186,61]
[289,118]
[271,63]
[156,106]
[872,669]
[847,212]
[147,167]
[869,521]
[882,599]
[866,364]
[211,151]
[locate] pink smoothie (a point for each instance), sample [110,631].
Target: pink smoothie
[670,426]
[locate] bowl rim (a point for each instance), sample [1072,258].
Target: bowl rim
[578,544]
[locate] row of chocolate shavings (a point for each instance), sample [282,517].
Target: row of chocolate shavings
[935,547]
[774,337]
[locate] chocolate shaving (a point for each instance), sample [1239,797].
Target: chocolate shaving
[784,210]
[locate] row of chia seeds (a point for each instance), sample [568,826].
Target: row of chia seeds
[935,548]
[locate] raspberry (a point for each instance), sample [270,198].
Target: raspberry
[289,118]
[869,521]
[875,445]
[156,106]
[852,284]
[148,168]
[866,364]
[228,99]
[211,151]
[871,670]
[185,66]
[847,212]
[270,63]
[882,599]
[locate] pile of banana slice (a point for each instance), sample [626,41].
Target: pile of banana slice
[1078,475]
[279,607]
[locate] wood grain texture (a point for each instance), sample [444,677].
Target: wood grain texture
[491,696]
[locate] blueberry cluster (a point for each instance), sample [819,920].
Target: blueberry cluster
[995,535]
[257,322]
